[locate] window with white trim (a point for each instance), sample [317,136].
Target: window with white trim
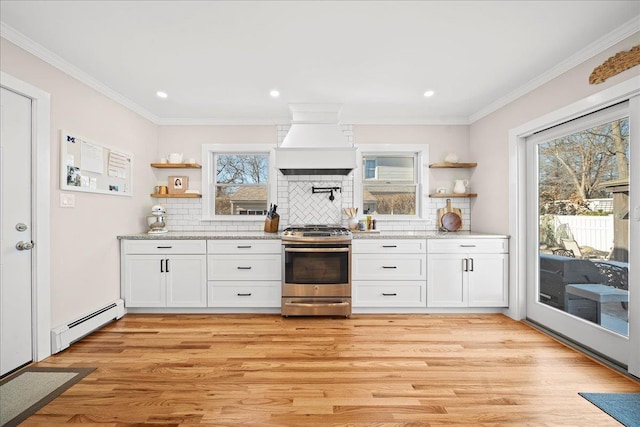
[391,180]
[237,181]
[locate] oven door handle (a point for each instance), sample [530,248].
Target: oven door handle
[317,304]
[330,250]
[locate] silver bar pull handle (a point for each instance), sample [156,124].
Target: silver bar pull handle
[243,268]
[244,246]
[467,246]
[317,304]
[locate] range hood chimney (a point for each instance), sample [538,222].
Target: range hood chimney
[315,144]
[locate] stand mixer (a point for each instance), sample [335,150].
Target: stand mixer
[156,220]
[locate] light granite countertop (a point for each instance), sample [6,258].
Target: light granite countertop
[260,235]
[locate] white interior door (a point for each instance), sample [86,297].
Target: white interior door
[16,342]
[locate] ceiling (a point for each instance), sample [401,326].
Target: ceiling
[218,60]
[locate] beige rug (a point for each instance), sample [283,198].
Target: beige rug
[23,394]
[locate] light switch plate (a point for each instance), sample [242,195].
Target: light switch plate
[67,200]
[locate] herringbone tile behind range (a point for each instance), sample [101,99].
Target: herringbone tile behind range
[309,208]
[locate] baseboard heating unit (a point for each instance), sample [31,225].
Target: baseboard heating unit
[63,336]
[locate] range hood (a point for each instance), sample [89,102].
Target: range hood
[315,144]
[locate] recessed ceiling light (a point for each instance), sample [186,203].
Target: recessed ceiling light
[429,93]
[274,93]
[161,94]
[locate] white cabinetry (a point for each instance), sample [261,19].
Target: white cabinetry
[467,273]
[244,273]
[389,273]
[164,273]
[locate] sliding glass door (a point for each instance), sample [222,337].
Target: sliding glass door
[578,187]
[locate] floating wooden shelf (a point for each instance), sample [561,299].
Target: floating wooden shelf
[176,165]
[453,165]
[451,195]
[176,196]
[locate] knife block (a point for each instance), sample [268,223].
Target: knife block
[271,224]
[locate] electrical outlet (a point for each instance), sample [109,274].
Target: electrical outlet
[67,200]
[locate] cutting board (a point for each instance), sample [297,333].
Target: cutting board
[449,218]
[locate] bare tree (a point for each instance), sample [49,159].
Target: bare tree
[241,169]
[574,166]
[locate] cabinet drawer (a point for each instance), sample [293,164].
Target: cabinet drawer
[165,247]
[467,246]
[244,294]
[389,294]
[224,247]
[389,246]
[247,267]
[385,267]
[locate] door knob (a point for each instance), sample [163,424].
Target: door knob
[24,246]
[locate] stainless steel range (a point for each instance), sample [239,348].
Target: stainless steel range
[316,278]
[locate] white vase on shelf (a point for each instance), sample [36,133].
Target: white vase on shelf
[460,186]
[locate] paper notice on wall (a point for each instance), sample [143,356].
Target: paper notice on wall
[92,158]
[117,164]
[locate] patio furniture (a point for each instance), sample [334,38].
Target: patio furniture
[616,274]
[558,271]
[572,245]
[564,252]
[595,292]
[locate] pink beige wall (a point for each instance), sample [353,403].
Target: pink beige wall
[489,144]
[85,263]
[442,139]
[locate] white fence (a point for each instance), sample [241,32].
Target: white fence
[593,231]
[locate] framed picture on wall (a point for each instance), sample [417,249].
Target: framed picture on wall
[178,184]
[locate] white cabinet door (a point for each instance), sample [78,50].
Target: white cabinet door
[144,281]
[388,293]
[467,280]
[447,281]
[244,294]
[386,246]
[165,281]
[186,280]
[245,267]
[389,267]
[488,280]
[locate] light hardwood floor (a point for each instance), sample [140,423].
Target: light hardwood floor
[382,370]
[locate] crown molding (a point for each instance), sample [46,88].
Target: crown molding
[625,30]
[446,121]
[206,121]
[22,41]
